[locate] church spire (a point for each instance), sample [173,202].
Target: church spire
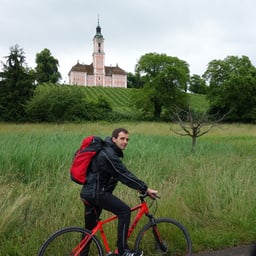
[98,30]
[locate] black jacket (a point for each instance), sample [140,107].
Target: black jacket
[106,170]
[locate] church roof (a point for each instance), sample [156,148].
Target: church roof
[109,70]
[82,68]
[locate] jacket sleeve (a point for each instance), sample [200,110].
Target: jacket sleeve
[119,170]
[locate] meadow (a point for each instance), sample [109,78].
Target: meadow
[210,191]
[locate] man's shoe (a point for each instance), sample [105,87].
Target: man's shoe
[132,253]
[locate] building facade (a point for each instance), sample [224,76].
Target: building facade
[97,74]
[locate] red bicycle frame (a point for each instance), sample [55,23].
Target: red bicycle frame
[142,209]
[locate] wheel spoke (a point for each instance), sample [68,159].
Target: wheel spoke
[67,242]
[174,239]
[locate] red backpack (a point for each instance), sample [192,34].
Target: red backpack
[90,146]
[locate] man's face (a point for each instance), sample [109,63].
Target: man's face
[122,140]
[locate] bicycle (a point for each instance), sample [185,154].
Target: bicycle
[160,236]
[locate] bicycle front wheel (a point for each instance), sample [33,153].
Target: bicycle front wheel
[166,237]
[67,242]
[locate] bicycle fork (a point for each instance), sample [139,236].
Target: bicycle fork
[159,242]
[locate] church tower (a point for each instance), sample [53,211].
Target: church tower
[99,57]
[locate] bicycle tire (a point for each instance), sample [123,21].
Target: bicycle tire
[176,239]
[63,241]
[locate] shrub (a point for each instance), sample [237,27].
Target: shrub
[58,103]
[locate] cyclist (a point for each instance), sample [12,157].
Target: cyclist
[105,171]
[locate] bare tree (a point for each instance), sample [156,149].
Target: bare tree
[195,124]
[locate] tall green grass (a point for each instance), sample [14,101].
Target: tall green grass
[211,191]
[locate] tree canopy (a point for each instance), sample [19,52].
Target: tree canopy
[232,86]
[134,80]
[165,82]
[197,85]
[47,67]
[16,85]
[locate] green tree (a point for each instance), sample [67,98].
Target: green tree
[16,86]
[166,79]
[232,86]
[134,81]
[47,67]
[197,84]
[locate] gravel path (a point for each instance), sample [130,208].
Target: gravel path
[247,250]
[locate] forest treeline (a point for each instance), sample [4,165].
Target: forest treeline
[160,85]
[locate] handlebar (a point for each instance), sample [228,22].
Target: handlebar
[142,196]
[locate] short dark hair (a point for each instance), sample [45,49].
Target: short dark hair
[116,132]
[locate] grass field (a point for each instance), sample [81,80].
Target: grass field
[211,191]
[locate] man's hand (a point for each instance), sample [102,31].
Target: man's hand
[152,193]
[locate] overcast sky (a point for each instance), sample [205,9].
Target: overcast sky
[196,31]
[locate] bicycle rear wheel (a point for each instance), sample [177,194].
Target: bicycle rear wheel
[67,242]
[173,236]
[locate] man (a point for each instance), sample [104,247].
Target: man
[105,171]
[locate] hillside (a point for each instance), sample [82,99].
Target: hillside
[121,99]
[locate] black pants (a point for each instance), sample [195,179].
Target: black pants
[111,203]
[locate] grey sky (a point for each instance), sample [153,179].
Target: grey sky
[195,31]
